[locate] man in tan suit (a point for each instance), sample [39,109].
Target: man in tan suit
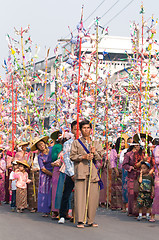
[82,171]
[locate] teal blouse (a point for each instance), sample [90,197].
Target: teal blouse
[56,149]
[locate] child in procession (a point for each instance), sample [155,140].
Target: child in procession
[12,185]
[22,179]
[146,191]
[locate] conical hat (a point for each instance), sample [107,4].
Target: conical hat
[55,134]
[23,143]
[23,163]
[36,140]
[136,137]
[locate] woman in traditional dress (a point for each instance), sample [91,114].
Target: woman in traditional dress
[106,179]
[57,148]
[2,176]
[132,183]
[124,176]
[140,156]
[116,189]
[45,174]
[155,206]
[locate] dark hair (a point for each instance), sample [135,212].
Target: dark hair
[146,164]
[141,150]
[131,147]
[129,138]
[85,122]
[25,167]
[74,123]
[156,141]
[61,141]
[117,144]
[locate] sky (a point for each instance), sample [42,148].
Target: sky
[49,19]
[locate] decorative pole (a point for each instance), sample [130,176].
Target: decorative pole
[45,89]
[95,107]
[12,115]
[79,73]
[106,134]
[95,111]
[142,37]
[24,70]
[56,95]
[152,31]
[16,99]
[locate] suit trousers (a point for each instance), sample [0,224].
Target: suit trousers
[81,190]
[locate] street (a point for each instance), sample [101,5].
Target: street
[112,226]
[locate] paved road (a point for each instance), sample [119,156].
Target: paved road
[112,226]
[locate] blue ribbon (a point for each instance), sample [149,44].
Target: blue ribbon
[101,185]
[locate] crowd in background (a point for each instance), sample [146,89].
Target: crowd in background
[47,175]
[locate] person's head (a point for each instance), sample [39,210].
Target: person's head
[1,154]
[60,138]
[21,167]
[145,167]
[129,140]
[16,148]
[118,142]
[137,147]
[85,128]
[24,147]
[41,145]
[74,128]
[143,139]
[110,145]
[122,144]
[51,143]
[156,142]
[15,166]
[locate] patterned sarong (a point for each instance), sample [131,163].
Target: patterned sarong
[21,198]
[116,190]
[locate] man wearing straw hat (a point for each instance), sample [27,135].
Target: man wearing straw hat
[86,175]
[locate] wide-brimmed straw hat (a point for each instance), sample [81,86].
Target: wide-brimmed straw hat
[22,143]
[36,140]
[137,137]
[23,163]
[55,134]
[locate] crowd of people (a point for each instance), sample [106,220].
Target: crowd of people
[64,175]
